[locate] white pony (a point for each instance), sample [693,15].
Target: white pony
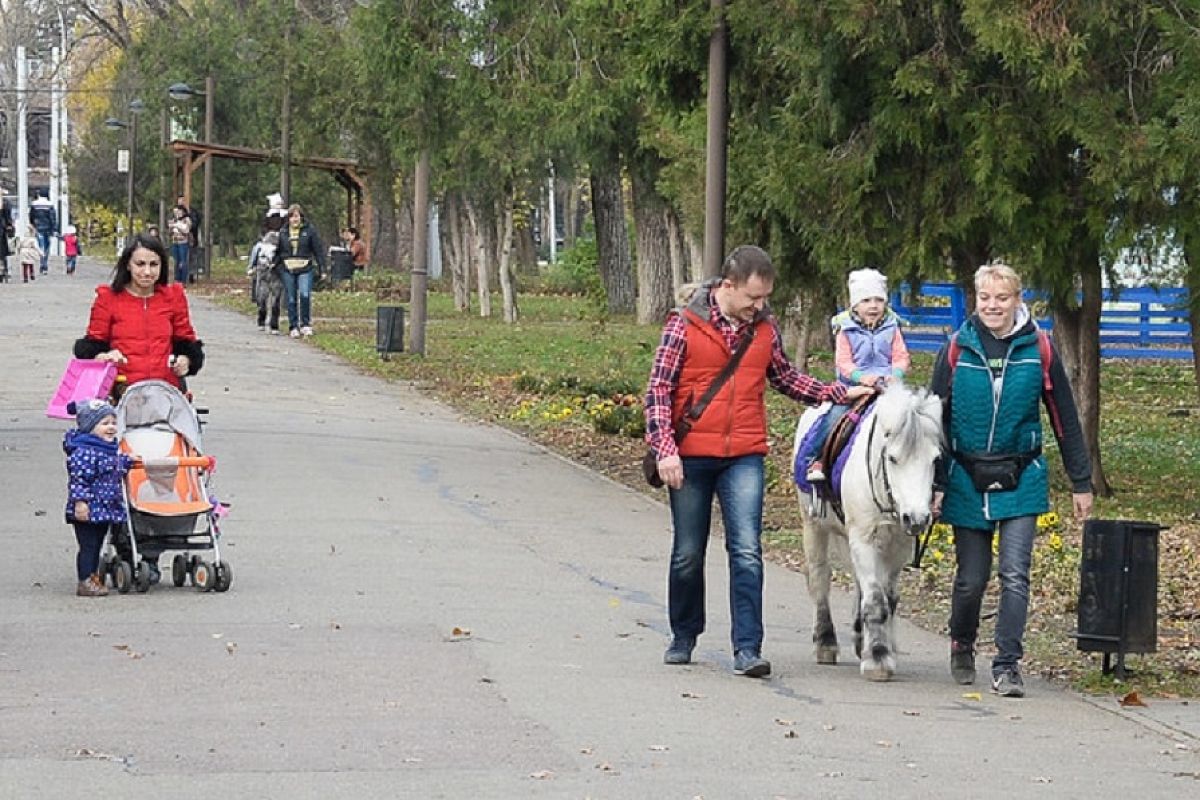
[886,490]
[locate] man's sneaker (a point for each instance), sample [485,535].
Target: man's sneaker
[750,664]
[680,651]
[274,331]
[816,472]
[295,334]
[1008,683]
[262,328]
[962,663]
[306,330]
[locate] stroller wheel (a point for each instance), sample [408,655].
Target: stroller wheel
[141,578]
[123,577]
[204,576]
[179,570]
[224,576]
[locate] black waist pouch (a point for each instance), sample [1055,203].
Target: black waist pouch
[997,472]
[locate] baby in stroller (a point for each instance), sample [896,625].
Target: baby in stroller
[170,506]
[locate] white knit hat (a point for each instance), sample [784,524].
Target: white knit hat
[865,284]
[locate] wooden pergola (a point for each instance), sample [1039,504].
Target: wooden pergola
[191,156]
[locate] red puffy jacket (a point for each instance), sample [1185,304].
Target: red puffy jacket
[143,329]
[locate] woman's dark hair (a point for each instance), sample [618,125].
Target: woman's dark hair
[143,241]
[353,231]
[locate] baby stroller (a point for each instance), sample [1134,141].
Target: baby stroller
[166,494]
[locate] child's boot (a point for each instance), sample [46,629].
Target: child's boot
[816,472]
[91,587]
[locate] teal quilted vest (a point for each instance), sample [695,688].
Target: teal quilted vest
[982,423]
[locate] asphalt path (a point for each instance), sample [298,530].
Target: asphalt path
[424,606]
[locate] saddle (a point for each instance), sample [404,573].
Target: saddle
[835,444]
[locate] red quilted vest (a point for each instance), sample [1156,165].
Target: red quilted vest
[735,422]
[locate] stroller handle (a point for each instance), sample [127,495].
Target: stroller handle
[203,462]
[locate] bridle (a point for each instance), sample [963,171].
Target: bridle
[883,470]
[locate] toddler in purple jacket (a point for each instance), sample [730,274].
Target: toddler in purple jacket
[94,497]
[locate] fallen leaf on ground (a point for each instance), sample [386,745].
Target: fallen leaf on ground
[779,721]
[1133,699]
[791,735]
[972,696]
[908,712]
[120,647]
[230,647]
[457,631]
[659,748]
[691,696]
[541,774]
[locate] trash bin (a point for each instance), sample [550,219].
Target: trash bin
[1118,590]
[197,263]
[389,330]
[341,265]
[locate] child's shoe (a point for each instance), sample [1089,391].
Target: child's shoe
[816,472]
[91,587]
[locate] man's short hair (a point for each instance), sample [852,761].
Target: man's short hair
[747,260]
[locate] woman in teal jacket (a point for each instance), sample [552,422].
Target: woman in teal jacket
[992,477]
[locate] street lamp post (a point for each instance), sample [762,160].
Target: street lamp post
[181,91]
[135,107]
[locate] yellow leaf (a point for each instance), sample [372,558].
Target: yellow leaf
[972,696]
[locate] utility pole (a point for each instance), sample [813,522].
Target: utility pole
[285,120]
[55,144]
[420,269]
[22,223]
[714,172]
[209,85]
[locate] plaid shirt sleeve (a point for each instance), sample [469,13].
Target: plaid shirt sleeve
[664,380]
[790,381]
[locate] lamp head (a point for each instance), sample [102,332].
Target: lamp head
[136,106]
[181,91]
[114,124]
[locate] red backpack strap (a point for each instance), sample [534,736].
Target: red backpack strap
[952,353]
[1046,354]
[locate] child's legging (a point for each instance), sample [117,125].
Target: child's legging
[90,536]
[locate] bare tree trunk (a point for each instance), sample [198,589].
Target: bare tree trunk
[479,248]
[458,257]
[612,239]
[570,211]
[384,235]
[507,285]
[681,261]
[695,256]
[1077,334]
[806,324]
[655,286]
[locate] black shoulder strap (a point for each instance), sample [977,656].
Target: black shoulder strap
[693,413]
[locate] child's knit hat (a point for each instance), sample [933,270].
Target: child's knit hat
[865,284]
[88,413]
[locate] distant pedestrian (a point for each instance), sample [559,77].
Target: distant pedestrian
[356,246]
[152,232]
[267,285]
[180,227]
[299,254]
[71,248]
[45,222]
[95,500]
[29,253]
[7,232]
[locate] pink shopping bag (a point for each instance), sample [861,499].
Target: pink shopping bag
[82,380]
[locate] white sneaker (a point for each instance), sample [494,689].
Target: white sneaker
[295,334]
[306,330]
[262,328]
[274,331]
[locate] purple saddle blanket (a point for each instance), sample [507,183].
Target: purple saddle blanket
[808,450]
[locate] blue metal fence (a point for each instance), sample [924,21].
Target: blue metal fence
[1136,323]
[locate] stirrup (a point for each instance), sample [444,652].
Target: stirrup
[816,503]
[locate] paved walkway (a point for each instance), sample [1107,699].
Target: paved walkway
[369,525]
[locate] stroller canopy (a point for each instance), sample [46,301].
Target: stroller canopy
[149,403]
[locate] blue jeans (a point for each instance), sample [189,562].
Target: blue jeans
[181,251]
[738,484]
[823,427]
[298,286]
[973,551]
[43,240]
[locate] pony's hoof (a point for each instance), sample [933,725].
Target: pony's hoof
[879,673]
[827,654]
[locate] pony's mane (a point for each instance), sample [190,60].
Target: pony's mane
[910,417]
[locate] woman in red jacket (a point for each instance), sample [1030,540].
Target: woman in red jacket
[140,322]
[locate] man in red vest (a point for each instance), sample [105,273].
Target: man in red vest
[722,452]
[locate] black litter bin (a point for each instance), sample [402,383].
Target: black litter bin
[1118,590]
[341,265]
[389,330]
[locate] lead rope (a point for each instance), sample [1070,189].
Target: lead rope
[887,484]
